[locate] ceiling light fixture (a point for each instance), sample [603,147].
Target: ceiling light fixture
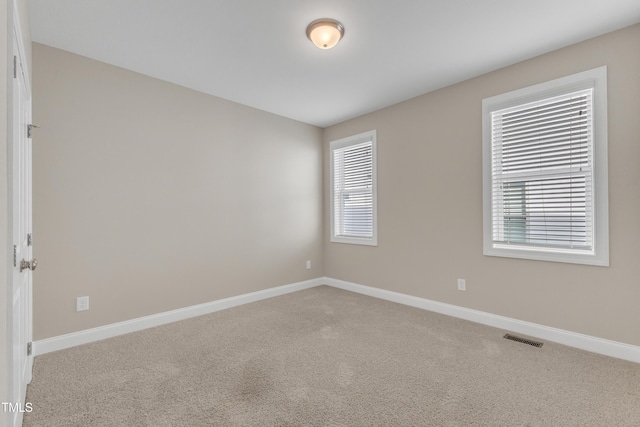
[325,33]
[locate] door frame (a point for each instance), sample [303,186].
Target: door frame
[14,171]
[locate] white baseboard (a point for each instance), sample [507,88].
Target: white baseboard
[572,339]
[584,342]
[95,334]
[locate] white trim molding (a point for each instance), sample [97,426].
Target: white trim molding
[339,169]
[596,220]
[108,331]
[572,339]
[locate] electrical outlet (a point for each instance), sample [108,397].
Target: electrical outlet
[308,265]
[462,285]
[82,303]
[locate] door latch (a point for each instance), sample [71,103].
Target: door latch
[28,265]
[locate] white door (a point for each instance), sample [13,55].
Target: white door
[20,287]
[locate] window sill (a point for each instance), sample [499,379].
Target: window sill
[565,256]
[355,240]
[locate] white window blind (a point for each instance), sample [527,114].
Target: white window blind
[353,189]
[353,196]
[542,173]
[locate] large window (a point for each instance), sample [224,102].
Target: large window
[353,189]
[545,171]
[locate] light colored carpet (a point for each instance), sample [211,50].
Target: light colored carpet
[327,357]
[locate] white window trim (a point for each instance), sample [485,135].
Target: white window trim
[341,143]
[596,78]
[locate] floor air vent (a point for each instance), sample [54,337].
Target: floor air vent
[523,340]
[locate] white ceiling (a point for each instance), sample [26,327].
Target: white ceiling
[255,52]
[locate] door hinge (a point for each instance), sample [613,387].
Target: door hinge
[30,128]
[15,256]
[29,239]
[15,66]
[29,348]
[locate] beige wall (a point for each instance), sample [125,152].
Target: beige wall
[149,197]
[430,202]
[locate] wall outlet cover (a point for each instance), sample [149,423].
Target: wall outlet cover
[82,303]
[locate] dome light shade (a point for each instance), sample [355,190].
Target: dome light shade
[325,33]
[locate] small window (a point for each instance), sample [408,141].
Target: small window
[545,171]
[353,189]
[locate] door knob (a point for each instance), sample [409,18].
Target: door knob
[28,265]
